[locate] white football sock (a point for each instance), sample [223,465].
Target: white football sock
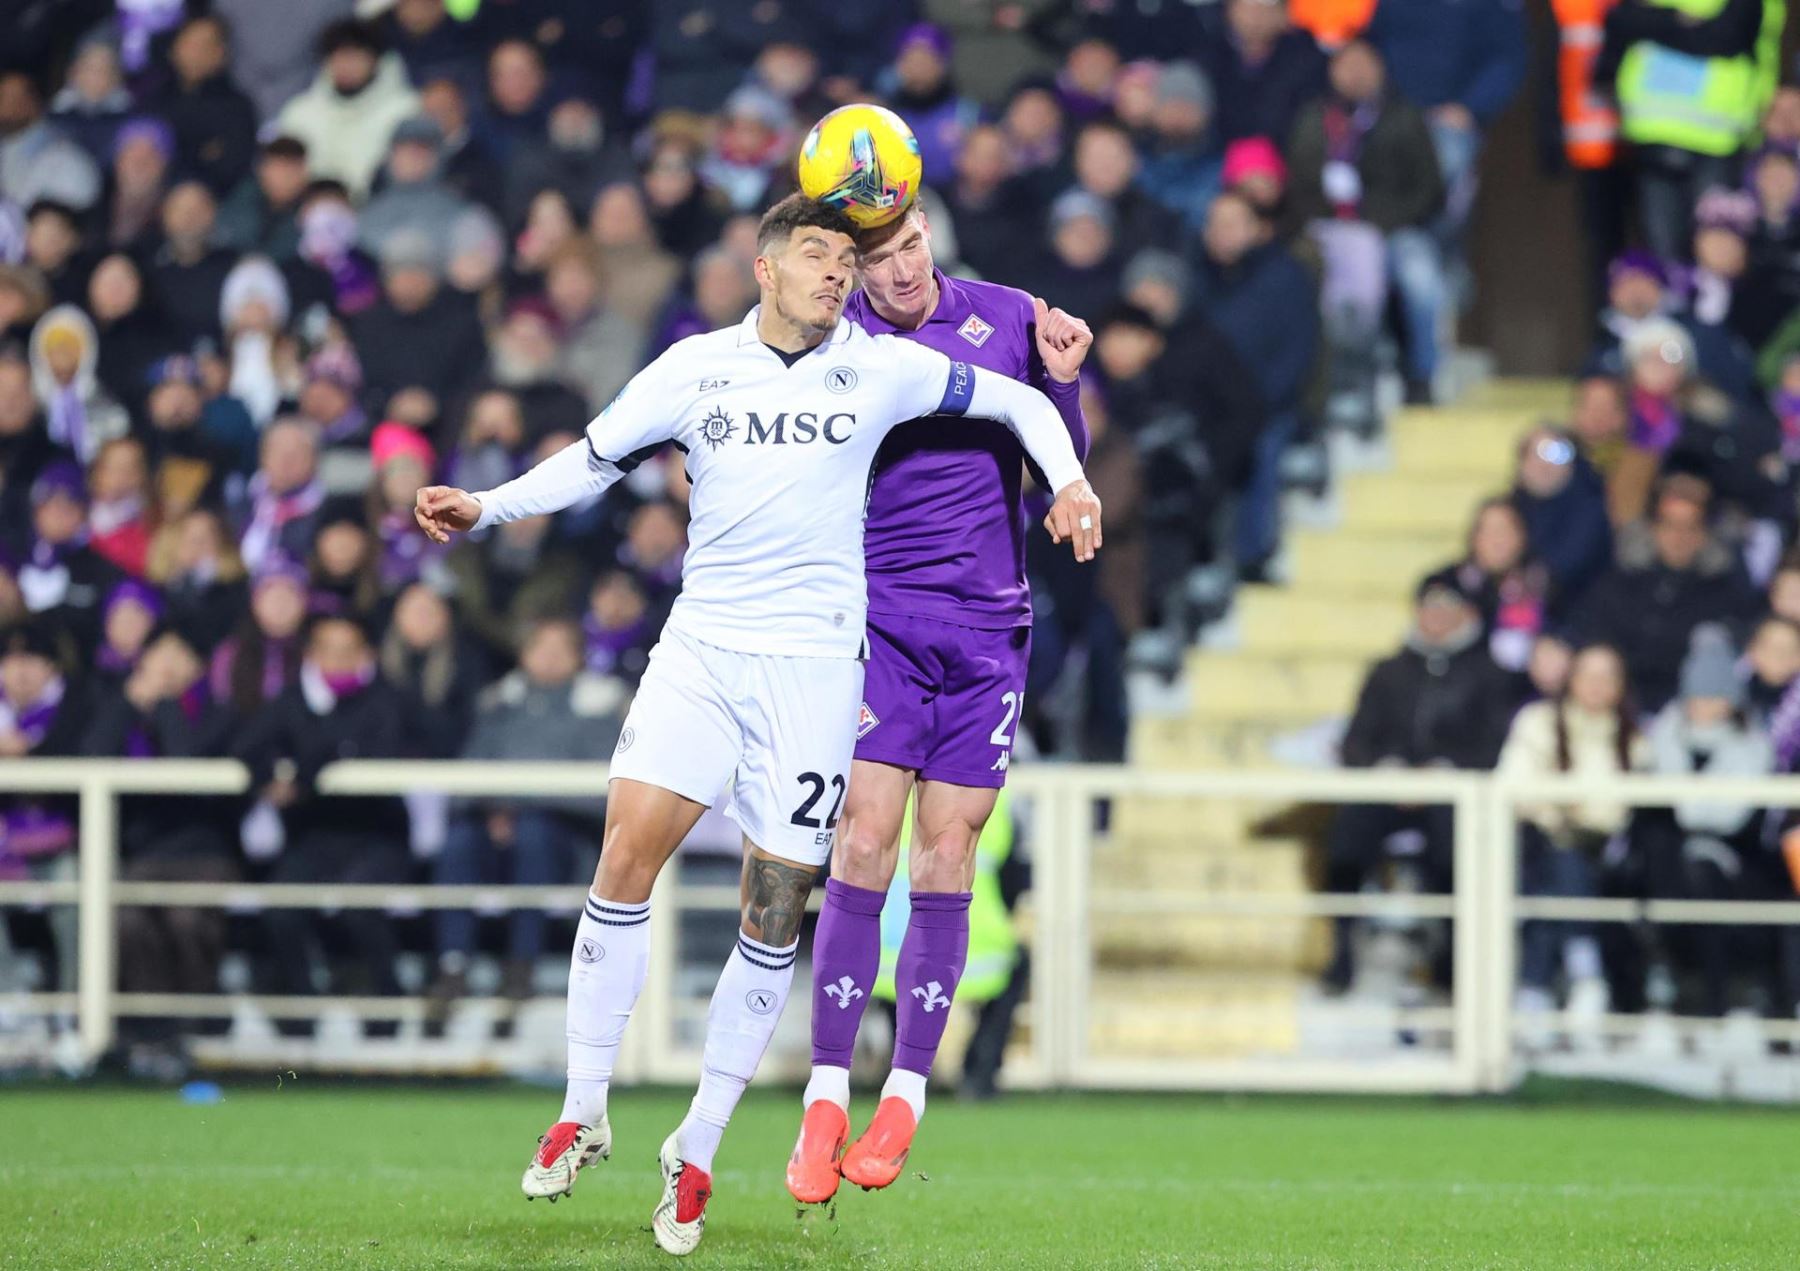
[828,1082]
[910,1086]
[607,968]
[752,990]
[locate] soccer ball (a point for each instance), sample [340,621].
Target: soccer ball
[863,160]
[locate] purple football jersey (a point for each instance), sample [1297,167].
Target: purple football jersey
[945,533]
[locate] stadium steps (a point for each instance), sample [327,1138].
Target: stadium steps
[1299,658]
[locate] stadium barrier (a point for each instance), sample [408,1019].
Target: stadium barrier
[1060,802]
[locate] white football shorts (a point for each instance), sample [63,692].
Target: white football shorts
[781,730]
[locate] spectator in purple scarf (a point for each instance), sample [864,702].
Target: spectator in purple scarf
[920,88]
[130,615]
[256,665]
[40,713]
[619,627]
[404,462]
[61,573]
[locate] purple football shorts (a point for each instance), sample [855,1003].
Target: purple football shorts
[942,700]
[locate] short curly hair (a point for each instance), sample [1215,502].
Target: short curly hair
[794,212]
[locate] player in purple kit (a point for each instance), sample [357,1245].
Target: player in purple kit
[949,633]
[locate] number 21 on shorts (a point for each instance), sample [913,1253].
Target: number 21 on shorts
[1002,736]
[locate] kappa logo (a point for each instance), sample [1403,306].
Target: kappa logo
[975,331]
[844,991]
[760,1001]
[717,428]
[588,950]
[866,722]
[932,994]
[840,379]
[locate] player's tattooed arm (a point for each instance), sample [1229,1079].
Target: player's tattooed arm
[774,895]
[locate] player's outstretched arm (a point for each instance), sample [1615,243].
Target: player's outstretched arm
[566,478]
[1075,516]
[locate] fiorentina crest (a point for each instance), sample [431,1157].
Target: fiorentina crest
[865,721]
[975,331]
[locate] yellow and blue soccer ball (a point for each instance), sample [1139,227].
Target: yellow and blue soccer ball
[864,160]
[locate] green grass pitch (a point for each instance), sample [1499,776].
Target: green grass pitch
[321,1175]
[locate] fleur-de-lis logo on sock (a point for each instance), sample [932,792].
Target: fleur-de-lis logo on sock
[845,991]
[932,994]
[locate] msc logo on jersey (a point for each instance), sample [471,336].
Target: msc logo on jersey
[717,428]
[865,722]
[840,379]
[975,331]
[801,428]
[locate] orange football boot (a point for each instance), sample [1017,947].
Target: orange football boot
[875,1159]
[812,1172]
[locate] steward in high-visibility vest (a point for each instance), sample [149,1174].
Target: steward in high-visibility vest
[993,945]
[1678,93]
[1590,123]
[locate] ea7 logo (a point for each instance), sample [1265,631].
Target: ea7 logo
[709,386]
[975,331]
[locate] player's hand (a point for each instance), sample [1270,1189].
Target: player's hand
[1063,341]
[443,510]
[1075,517]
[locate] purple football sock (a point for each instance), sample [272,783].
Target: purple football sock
[846,957]
[931,963]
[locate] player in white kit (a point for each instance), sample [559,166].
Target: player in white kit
[757,679]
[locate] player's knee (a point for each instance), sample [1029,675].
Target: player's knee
[946,860]
[625,874]
[863,855]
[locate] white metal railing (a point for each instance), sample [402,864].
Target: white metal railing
[1484,908]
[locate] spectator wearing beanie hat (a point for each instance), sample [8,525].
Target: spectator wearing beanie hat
[404,462]
[1705,730]
[93,101]
[1081,274]
[60,573]
[418,336]
[923,93]
[413,194]
[1182,164]
[143,151]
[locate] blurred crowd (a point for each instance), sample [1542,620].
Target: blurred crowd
[266,269]
[1632,603]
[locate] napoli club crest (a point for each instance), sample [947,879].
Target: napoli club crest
[975,331]
[865,722]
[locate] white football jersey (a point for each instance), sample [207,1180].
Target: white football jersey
[779,456]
